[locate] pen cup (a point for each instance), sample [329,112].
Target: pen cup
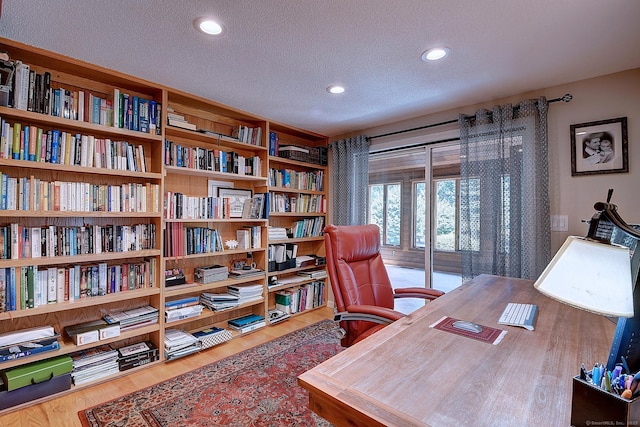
[592,406]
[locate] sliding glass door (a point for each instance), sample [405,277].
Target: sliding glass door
[413,199]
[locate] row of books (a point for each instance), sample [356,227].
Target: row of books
[198,158]
[181,206]
[302,203]
[308,227]
[298,180]
[35,194]
[31,286]
[300,298]
[274,144]
[181,240]
[282,252]
[17,241]
[32,143]
[248,135]
[33,91]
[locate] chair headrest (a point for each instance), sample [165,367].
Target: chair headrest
[354,242]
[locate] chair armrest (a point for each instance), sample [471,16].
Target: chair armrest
[369,313]
[416,292]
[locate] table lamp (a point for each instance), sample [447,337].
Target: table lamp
[591,273]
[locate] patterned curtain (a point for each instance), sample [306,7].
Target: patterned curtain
[350,176]
[504,190]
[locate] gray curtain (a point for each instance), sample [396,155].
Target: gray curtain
[504,190]
[350,176]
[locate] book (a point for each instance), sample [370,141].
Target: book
[246,320]
[24,349]
[181,124]
[250,327]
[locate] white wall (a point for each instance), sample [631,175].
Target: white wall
[606,97]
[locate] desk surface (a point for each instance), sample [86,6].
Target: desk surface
[409,374]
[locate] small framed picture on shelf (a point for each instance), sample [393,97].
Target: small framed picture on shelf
[236,198]
[599,147]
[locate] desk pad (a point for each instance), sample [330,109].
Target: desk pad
[488,334]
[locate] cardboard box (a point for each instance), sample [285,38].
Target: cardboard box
[88,332]
[592,406]
[36,372]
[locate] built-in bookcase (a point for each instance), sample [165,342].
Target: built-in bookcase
[98,189]
[85,198]
[298,204]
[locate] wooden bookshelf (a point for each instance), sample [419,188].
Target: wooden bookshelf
[139,158]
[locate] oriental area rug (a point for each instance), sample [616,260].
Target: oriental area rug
[256,387]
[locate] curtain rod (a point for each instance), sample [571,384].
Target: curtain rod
[565,98]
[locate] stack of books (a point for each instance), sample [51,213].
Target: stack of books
[134,318]
[214,273]
[213,336]
[277,233]
[246,293]
[313,274]
[94,363]
[247,323]
[245,272]
[178,120]
[276,316]
[179,343]
[135,355]
[182,308]
[219,301]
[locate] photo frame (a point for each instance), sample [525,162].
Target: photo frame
[236,198]
[591,154]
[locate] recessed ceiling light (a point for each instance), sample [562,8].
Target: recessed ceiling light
[208,26]
[335,89]
[435,53]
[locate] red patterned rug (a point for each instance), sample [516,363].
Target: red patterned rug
[257,387]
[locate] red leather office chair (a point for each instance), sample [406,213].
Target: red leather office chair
[360,283]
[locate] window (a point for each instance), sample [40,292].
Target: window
[446,214]
[385,207]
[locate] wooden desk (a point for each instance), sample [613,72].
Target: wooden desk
[409,374]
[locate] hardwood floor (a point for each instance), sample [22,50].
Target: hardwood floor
[62,411]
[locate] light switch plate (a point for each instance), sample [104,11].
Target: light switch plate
[559,223]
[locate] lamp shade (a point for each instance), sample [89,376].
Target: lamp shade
[590,275]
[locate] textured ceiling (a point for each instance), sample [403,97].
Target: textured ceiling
[276,57]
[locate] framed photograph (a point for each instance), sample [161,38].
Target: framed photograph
[236,198]
[599,147]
